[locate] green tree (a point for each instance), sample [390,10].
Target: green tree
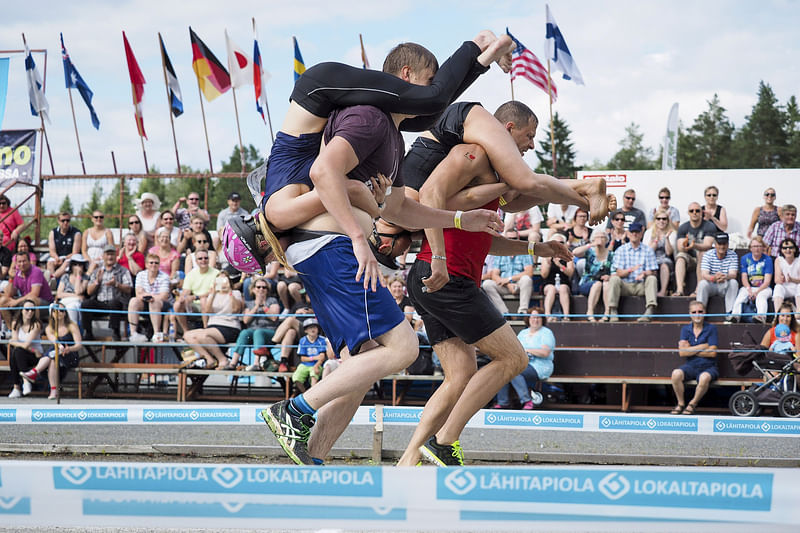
[762,141]
[792,127]
[220,188]
[95,203]
[66,206]
[708,143]
[565,152]
[633,155]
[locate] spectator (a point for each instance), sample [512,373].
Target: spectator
[221,324]
[129,255]
[786,228]
[147,209]
[632,214]
[68,337]
[196,285]
[695,237]
[597,272]
[135,226]
[95,240]
[510,275]
[63,242]
[713,212]
[167,220]
[26,283]
[673,214]
[259,328]
[559,218]
[698,344]
[183,215]
[397,287]
[313,351]
[71,289]
[718,274]
[578,234]
[108,289]
[757,270]
[6,258]
[200,242]
[196,227]
[152,290]
[525,225]
[287,333]
[23,245]
[10,223]
[539,343]
[617,236]
[764,215]
[289,285]
[787,274]
[234,209]
[26,348]
[784,315]
[633,274]
[662,239]
[556,275]
[167,254]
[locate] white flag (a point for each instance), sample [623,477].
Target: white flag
[239,64]
[670,156]
[39,105]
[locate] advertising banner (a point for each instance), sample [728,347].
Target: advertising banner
[17,155]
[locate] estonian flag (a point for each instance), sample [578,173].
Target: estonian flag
[174,89]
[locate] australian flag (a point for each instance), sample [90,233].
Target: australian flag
[73,80]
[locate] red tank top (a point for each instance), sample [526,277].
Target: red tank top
[466,251]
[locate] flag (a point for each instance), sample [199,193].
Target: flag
[39,105]
[364,60]
[557,51]
[73,80]
[211,75]
[3,87]
[299,66]
[174,89]
[260,77]
[525,64]
[137,86]
[670,156]
[239,63]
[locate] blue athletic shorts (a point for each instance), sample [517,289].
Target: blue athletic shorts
[290,162]
[696,365]
[348,314]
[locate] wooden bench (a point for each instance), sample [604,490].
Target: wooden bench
[200,375]
[407,379]
[107,369]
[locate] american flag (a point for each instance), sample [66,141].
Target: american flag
[525,64]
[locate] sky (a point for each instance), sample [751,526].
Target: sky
[637,59]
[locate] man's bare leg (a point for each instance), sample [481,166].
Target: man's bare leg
[332,419]
[459,365]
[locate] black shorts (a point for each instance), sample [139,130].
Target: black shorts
[459,309]
[228,333]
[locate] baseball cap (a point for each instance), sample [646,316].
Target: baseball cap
[308,322]
[635,226]
[721,238]
[782,331]
[234,196]
[109,248]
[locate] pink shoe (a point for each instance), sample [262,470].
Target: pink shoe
[498,406]
[527,406]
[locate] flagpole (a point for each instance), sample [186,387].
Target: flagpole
[238,129]
[169,108]
[264,89]
[75,126]
[41,118]
[512,88]
[205,128]
[552,133]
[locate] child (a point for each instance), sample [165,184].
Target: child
[313,351]
[783,340]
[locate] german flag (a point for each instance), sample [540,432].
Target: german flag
[212,77]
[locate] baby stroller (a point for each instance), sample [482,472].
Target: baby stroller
[779,388]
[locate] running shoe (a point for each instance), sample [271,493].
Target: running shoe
[291,431]
[254,180]
[442,454]
[30,376]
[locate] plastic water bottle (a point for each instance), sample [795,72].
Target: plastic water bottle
[558,281]
[171,333]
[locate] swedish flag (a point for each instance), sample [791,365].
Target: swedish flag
[299,66]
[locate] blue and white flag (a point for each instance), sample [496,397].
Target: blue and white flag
[39,105]
[73,80]
[3,87]
[557,52]
[173,87]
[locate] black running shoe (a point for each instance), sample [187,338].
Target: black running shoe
[442,454]
[291,431]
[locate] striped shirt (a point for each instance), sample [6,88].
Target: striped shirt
[160,285]
[626,256]
[714,265]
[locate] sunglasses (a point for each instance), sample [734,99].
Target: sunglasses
[694,210]
[619,219]
[711,194]
[772,194]
[204,258]
[664,197]
[696,312]
[788,248]
[630,198]
[201,242]
[170,219]
[3,202]
[98,217]
[261,286]
[661,218]
[133,222]
[64,220]
[29,309]
[193,199]
[154,262]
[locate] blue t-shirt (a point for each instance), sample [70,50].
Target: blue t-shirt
[756,270]
[542,338]
[707,335]
[311,349]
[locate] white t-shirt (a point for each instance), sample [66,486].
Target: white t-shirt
[555,211]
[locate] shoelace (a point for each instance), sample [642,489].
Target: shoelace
[302,433]
[458,452]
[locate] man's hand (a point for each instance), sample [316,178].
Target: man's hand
[553,249]
[381,188]
[367,265]
[439,276]
[482,220]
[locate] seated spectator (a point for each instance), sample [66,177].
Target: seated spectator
[151,290]
[556,275]
[23,245]
[196,285]
[525,225]
[559,218]
[200,242]
[578,234]
[25,283]
[168,256]
[695,237]
[135,226]
[765,215]
[68,338]
[95,240]
[167,220]
[287,333]
[183,215]
[313,351]
[632,214]
[147,210]
[12,223]
[26,348]
[633,274]
[617,236]
[234,209]
[64,241]
[108,289]
[784,315]
[221,324]
[698,344]
[714,213]
[397,287]
[71,289]
[787,274]
[6,258]
[258,326]
[757,270]
[129,255]
[196,227]
[290,288]
[718,274]
[673,214]
[662,238]
[786,228]
[539,343]
[510,275]
[597,272]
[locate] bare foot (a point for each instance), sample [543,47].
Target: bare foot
[594,190]
[499,51]
[484,39]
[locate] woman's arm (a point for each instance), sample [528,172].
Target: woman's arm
[110,237]
[85,245]
[76,337]
[753,221]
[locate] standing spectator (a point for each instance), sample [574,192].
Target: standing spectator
[695,237]
[764,215]
[234,209]
[68,337]
[617,236]
[222,326]
[152,290]
[718,274]
[259,328]
[183,215]
[26,348]
[196,227]
[757,270]
[71,288]
[539,343]
[673,214]
[167,254]
[633,274]
[135,226]
[26,283]
[632,214]
[786,228]
[559,218]
[510,275]
[714,213]
[556,276]
[196,285]
[525,225]
[167,220]
[129,255]
[787,274]
[200,243]
[10,223]
[147,209]
[662,238]
[108,289]
[95,240]
[313,351]
[63,242]
[597,272]
[698,344]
